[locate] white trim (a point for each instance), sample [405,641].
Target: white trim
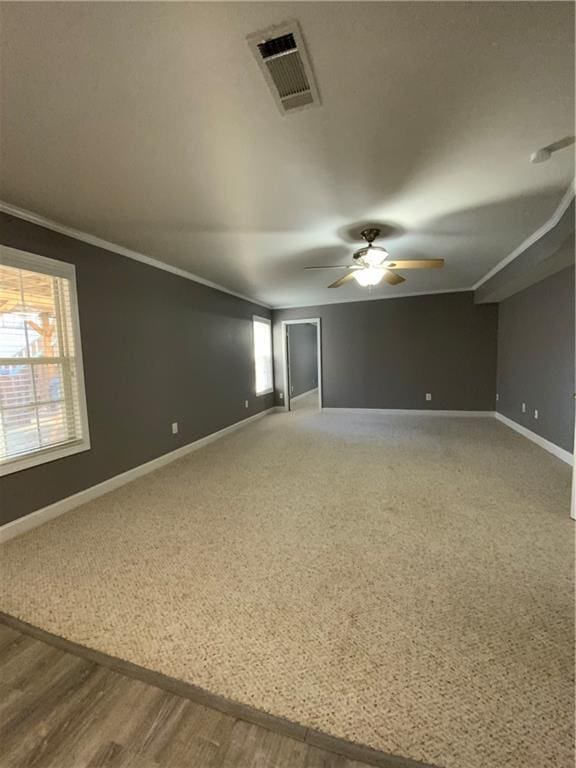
[411,412]
[43,456]
[85,237]
[60,269]
[560,453]
[573,496]
[303,394]
[313,321]
[567,198]
[552,222]
[41,516]
[35,262]
[42,221]
[45,514]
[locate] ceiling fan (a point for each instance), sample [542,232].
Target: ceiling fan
[373,264]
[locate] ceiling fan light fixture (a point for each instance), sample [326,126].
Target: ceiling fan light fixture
[373,255]
[369,276]
[372,264]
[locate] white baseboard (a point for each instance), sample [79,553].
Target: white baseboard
[411,412]
[560,453]
[303,394]
[43,515]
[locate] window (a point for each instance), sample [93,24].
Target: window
[263,355]
[42,400]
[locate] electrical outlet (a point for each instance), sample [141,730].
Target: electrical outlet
[497,397]
[281,395]
[428,396]
[174,427]
[523,407]
[536,413]
[245,403]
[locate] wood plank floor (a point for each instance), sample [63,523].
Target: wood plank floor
[58,710]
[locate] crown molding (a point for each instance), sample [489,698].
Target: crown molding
[86,237]
[552,222]
[42,221]
[548,225]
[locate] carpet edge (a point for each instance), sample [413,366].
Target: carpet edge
[348,749]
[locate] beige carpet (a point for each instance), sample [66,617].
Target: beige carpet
[402,581]
[307,402]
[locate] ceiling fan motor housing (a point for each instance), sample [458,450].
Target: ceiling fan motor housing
[370,234]
[363,255]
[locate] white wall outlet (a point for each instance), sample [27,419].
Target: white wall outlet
[536,413]
[497,397]
[428,396]
[281,395]
[174,427]
[523,407]
[245,403]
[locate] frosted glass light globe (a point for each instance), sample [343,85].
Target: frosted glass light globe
[374,255]
[369,276]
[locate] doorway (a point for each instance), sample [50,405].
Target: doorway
[302,358]
[573,500]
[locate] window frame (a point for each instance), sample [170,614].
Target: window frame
[13,257]
[268,322]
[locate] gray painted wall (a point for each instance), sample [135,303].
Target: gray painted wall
[536,358]
[302,344]
[551,253]
[388,353]
[157,348]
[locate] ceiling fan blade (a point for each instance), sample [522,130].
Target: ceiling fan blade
[415,264]
[392,278]
[342,266]
[342,280]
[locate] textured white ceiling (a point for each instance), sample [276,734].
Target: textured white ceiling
[150,125]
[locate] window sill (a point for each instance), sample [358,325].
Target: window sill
[42,457]
[264,392]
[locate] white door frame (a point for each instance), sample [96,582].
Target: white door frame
[573,501]
[573,504]
[313,321]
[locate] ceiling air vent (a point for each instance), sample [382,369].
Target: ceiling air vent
[282,57]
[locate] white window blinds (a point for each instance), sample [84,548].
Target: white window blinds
[263,355]
[42,402]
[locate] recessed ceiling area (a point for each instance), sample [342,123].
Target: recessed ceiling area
[151,126]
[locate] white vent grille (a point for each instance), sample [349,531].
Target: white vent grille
[282,57]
